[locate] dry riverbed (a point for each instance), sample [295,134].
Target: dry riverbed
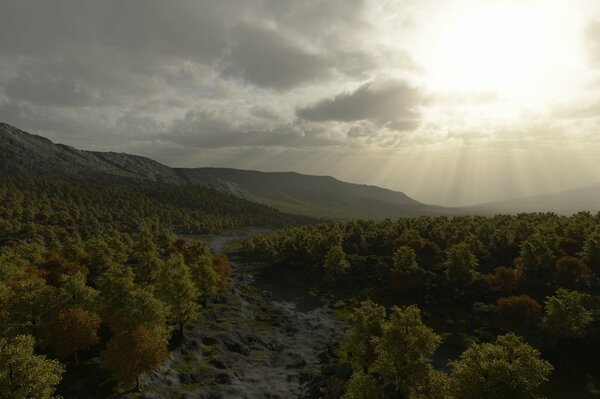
[249,344]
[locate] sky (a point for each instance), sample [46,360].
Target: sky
[453,102]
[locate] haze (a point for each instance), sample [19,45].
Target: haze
[453,103]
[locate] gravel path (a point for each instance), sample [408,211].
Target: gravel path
[248,345]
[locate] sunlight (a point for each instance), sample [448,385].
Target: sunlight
[513,50]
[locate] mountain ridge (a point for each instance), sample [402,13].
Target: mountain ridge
[323,196]
[318,196]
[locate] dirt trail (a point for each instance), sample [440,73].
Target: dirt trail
[248,345]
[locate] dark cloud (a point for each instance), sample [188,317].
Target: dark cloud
[394,104]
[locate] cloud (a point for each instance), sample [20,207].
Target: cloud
[214,129]
[267,58]
[391,103]
[593,42]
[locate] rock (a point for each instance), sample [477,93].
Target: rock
[218,364]
[297,362]
[223,378]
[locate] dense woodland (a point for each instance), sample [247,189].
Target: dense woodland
[95,270]
[464,307]
[97,285]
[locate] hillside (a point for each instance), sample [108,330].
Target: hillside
[27,154]
[322,196]
[563,202]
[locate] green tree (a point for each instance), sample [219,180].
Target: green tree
[31,303]
[565,315]
[116,285]
[366,323]
[401,351]
[131,353]
[176,288]
[405,260]
[506,368]
[591,250]
[141,307]
[73,329]
[25,375]
[335,263]
[536,261]
[73,291]
[204,276]
[461,265]
[363,386]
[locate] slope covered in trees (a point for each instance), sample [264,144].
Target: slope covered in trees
[85,207]
[92,275]
[466,307]
[320,196]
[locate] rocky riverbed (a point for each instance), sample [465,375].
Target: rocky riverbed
[249,344]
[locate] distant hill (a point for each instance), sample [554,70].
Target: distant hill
[563,202]
[323,196]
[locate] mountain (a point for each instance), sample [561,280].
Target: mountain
[563,202]
[323,196]
[27,154]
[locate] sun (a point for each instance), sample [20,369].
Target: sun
[513,50]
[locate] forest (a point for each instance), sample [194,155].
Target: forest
[463,307]
[99,281]
[95,270]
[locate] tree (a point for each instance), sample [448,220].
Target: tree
[56,266]
[402,348]
[116,285]
[335,263]
[568,269]
[461,265]
[223,269]
[536,261]
[519,314]
[565,315]
[405,260]
[363,386]
[141,307]
[366,323]
[73,329]
[175,287]
[73,291]
[504,279]
[506,368]
[25,375]
[591,250]
[30,304]
[204,276]
[131,353]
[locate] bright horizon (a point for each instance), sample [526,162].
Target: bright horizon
[453,104]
